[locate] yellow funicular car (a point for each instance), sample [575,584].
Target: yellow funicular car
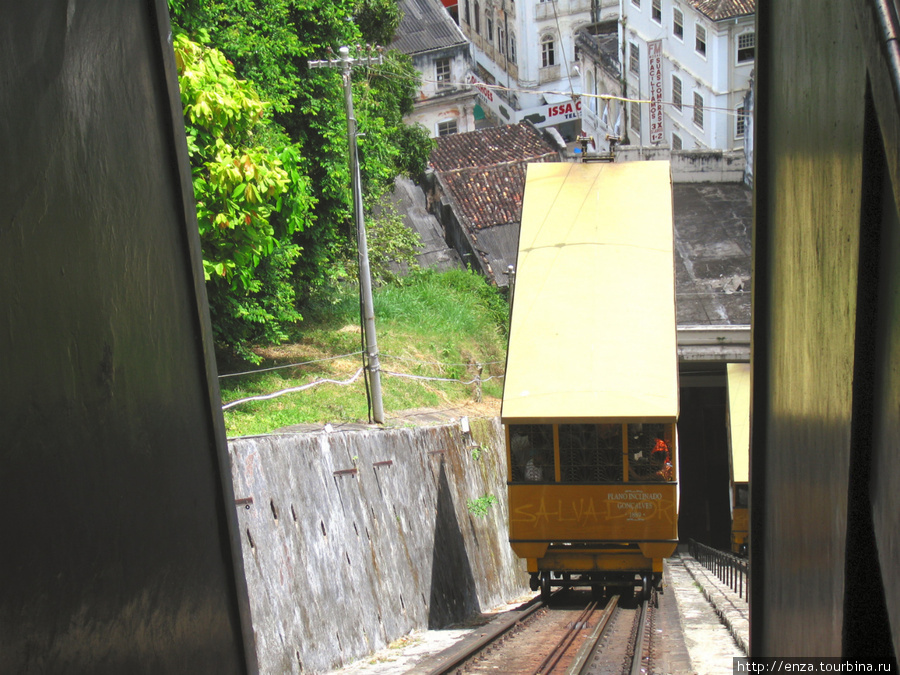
[739,454]
[590,399]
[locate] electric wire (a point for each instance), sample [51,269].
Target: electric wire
[518,90]
[380,71]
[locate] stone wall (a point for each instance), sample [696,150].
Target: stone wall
[355,538]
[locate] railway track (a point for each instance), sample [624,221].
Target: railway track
[572,635]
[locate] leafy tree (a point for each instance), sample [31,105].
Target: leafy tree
[271,43]
[250,199]
[268,220]
[378,20]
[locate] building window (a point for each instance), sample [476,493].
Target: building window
[676,142]
[676,92]
[634,61]
[657,11]
[635,111]
[447,128]
[678,23]
[740,122]
[700,43]
[501,40]
[592,89]
[698,110]
[466,12]
[512,47]
[746,47]
[548,51]
[489,25]
[477,18]
[442,73]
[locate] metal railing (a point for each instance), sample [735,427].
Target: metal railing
[731,570]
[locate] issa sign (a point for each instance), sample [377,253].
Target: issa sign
[541,116]
[555,113]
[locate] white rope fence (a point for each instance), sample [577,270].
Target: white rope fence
[478,380]
[291,390]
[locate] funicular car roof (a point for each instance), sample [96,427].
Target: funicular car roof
[739,421]
[592,333]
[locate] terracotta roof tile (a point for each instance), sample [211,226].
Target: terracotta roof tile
[724,9]
[484,171]
[489,147]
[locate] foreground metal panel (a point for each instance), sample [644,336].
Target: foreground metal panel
[824,505]
[117,554]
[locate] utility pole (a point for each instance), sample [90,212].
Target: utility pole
[345,62]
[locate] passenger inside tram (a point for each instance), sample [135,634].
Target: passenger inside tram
[590,453]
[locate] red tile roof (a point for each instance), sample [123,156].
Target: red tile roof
[724,9]
[484,171]
[488,147]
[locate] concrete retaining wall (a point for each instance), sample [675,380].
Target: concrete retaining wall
[692,166]
[356,538]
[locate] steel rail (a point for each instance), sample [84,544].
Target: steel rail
[461,657]
[550,661]
[637,658]
[588,651]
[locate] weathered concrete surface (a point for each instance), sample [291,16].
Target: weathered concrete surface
[354,539]
[692,166]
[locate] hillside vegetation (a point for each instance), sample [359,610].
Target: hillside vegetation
[430,325]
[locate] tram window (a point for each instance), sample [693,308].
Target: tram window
[590,453]
[649,456]
[531,452]
[741,496]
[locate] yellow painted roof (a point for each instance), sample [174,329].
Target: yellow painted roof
[739,420]
[592,335]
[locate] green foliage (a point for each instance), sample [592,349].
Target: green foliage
[460,329]
[392,245]
[378,20]
[271,44]
[479,507]
[249,197]
[267,137]
[238,186]
[241,318]
[444,298]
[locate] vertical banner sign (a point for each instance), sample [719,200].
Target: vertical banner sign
[656,91]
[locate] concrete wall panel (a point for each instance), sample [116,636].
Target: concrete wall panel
[356,538]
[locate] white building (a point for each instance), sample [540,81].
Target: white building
[694,60]
[441,54]
[597,52]
[527,49]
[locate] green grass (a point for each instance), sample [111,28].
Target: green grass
[433,325]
